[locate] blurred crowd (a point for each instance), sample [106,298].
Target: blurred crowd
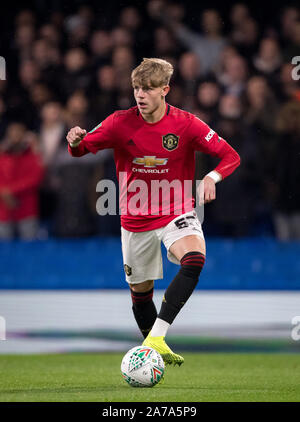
[72,68]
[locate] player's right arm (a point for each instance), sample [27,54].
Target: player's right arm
[74,138]
[102,136]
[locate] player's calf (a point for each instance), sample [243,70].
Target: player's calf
[144,310]
[181,287]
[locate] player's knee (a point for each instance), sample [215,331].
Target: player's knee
[145,286]
[192,264]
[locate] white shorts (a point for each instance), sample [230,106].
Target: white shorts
[142,250]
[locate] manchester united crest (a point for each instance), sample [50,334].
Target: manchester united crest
[170,141]
[127,270]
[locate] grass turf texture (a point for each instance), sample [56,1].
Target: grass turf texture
[203,377]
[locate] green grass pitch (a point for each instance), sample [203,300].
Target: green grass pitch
[203,377]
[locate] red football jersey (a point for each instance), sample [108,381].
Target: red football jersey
[147,155]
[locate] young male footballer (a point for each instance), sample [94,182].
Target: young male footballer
[155,142]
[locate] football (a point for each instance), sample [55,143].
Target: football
[142,367]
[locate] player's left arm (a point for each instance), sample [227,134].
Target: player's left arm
[208,141]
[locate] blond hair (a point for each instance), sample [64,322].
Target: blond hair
[152,72]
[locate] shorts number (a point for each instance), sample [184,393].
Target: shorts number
[181,223]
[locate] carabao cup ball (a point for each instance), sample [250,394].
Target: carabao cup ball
[142,367]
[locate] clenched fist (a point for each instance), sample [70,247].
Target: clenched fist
[206,190]
[75,135]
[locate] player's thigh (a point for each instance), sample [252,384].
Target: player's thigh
[189,243]
[182,235]
[141,256]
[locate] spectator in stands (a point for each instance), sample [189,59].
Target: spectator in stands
[208,96]
[234,213]
[25,17]
[21,173]
[244,34]
[51,133]
[239,14]
[52,130]
[24,38]
[121,37]
[76,110]
[287,173]
[29,74]
[123,61]
[234,77]
[288,18]
[40,95]
[261,110]
[208,45]
[164,43]
[292,48]
[49,61]
[104,92]
[130,18]
[76,75]
[50,33]
[77,29]
[19,99]
[189,71]
[100,45]
[268,60]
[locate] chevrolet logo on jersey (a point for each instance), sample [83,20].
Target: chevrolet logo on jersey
[150,161]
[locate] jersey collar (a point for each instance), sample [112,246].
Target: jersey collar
[168,107]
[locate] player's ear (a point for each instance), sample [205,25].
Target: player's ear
[165,90]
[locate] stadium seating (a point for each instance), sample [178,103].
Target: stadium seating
[96,263]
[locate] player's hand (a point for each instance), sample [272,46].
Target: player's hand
[207,192]
[76,134]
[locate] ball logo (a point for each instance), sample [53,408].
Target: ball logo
[157,374]
[209,135]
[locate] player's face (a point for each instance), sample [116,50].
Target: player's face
[149,99]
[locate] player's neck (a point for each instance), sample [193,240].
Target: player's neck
[157,114]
